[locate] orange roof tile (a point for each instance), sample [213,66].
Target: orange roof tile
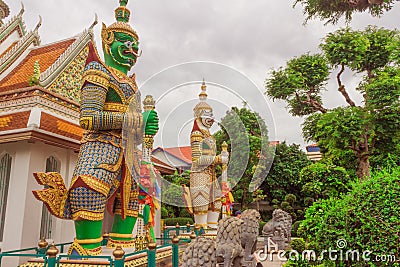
[14,121]
[46,55]
[184,153]
[61,127]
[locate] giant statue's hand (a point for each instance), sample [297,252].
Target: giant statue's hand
[150,120]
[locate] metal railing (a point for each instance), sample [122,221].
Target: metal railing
[51,257]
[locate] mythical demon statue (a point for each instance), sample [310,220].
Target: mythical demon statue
[101,178]
[204,187]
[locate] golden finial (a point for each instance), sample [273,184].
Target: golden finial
[43,243]
[193,235]
[118,253]
[52,251]
[175,239]
[152,246]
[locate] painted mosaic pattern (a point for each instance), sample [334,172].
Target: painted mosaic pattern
[68,84]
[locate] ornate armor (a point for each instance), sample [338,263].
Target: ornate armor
[204,187]
[110,103]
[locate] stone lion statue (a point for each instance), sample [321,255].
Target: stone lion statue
[251,218]
[279,229]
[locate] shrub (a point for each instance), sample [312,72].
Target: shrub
[275,201]
[324,180]
[367,218]
[290,198]
[184,213]
[286,206]
[308,201]
[295,226]
[298,244]
[180,220]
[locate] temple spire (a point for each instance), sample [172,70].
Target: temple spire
[203,95]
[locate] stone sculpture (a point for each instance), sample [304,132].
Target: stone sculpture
[251,219]
[200,253]
[279,229]
[229,250]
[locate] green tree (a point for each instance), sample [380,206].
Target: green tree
[365,130]
[283,177]
[333,10]
[246,134]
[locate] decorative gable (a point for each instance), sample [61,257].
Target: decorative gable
[68,83]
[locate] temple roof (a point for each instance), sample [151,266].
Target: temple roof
[46,55]
[183,153]
[39,125]
[46,108]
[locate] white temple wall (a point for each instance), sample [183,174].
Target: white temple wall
[23,214]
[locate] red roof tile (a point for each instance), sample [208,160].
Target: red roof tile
[14,121]
[46,55]
[61,127]
[184,153]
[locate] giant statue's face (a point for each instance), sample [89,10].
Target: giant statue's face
[124,50]
[207,118]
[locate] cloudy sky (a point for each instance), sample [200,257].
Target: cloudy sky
[233,44]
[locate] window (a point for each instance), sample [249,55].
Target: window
[52,165]
[5,169]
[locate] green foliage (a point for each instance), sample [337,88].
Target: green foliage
[367,218]
[173,194]
[324,180]
[333,10]
[275,201]
[284,174]
[181,221]
[295,227]
[298,244]
[291,198]
[164,212]
[345,46]
[248,143]
[184,213]
[308,201]
[354,136]
[360,50]
[303,78]
[286,206]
